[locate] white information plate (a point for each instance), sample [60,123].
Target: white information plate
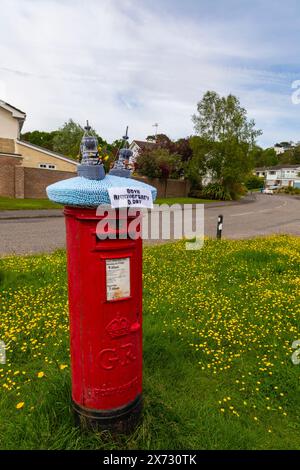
[117,278]
[130,197]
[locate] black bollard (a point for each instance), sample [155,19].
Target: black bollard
[220,227]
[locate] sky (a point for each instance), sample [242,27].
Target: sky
[141,62]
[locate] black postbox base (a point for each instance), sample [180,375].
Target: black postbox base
[118,421]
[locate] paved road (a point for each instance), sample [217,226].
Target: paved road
[266,215]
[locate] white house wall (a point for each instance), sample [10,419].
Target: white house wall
[9,126]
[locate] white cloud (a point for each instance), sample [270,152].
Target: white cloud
[119,62]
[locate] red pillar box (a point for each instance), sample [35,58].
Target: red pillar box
[105,302]
[104,265]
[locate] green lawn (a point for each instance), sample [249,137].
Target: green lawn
[18,204]
[182,200]
[218,328]
[8,204]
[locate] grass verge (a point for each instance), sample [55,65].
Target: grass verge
[218,328]
[182,200]
[9,204]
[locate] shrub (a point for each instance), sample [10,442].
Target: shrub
[216,191]
[291,190]
[254,182]
[196,193]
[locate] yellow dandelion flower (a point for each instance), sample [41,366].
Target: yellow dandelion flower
[40,375]
[20,405]
[62,366]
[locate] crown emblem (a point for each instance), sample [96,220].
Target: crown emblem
[118,327]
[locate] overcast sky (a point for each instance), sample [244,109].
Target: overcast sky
[137,62]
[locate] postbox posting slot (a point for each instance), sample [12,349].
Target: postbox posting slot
[119,227]
[106,245]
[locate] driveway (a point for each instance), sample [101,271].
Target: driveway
[266,215]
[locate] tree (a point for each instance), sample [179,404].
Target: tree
[114,148]
[147,166]
[159,163]
[264,157]
[227,138]
[180,146]
[196,168]
[221,117]
[290,156]
[160,139]
[183,148]
[68,138]
[40,138]
[296,155]
[254,182]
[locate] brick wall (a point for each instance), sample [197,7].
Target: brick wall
[20,182]
[170,188]
[7,145]
[7,175]
[36,180]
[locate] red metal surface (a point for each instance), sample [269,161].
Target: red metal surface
[106,336]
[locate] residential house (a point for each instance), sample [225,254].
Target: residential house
[137,146]
[283,147]
[26,169]
[35,156]
[280,175]
[11,123]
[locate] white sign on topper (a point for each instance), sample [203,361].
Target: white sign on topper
[130,197]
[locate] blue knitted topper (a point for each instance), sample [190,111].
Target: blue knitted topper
[90,189]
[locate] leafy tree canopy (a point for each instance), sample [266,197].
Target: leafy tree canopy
[226,139]
[180,146]
[40,138]
[291,156]
[159,163]
[221,118]
[264,157]
[66,140]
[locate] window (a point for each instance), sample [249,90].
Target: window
[47,166]
[272,172]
